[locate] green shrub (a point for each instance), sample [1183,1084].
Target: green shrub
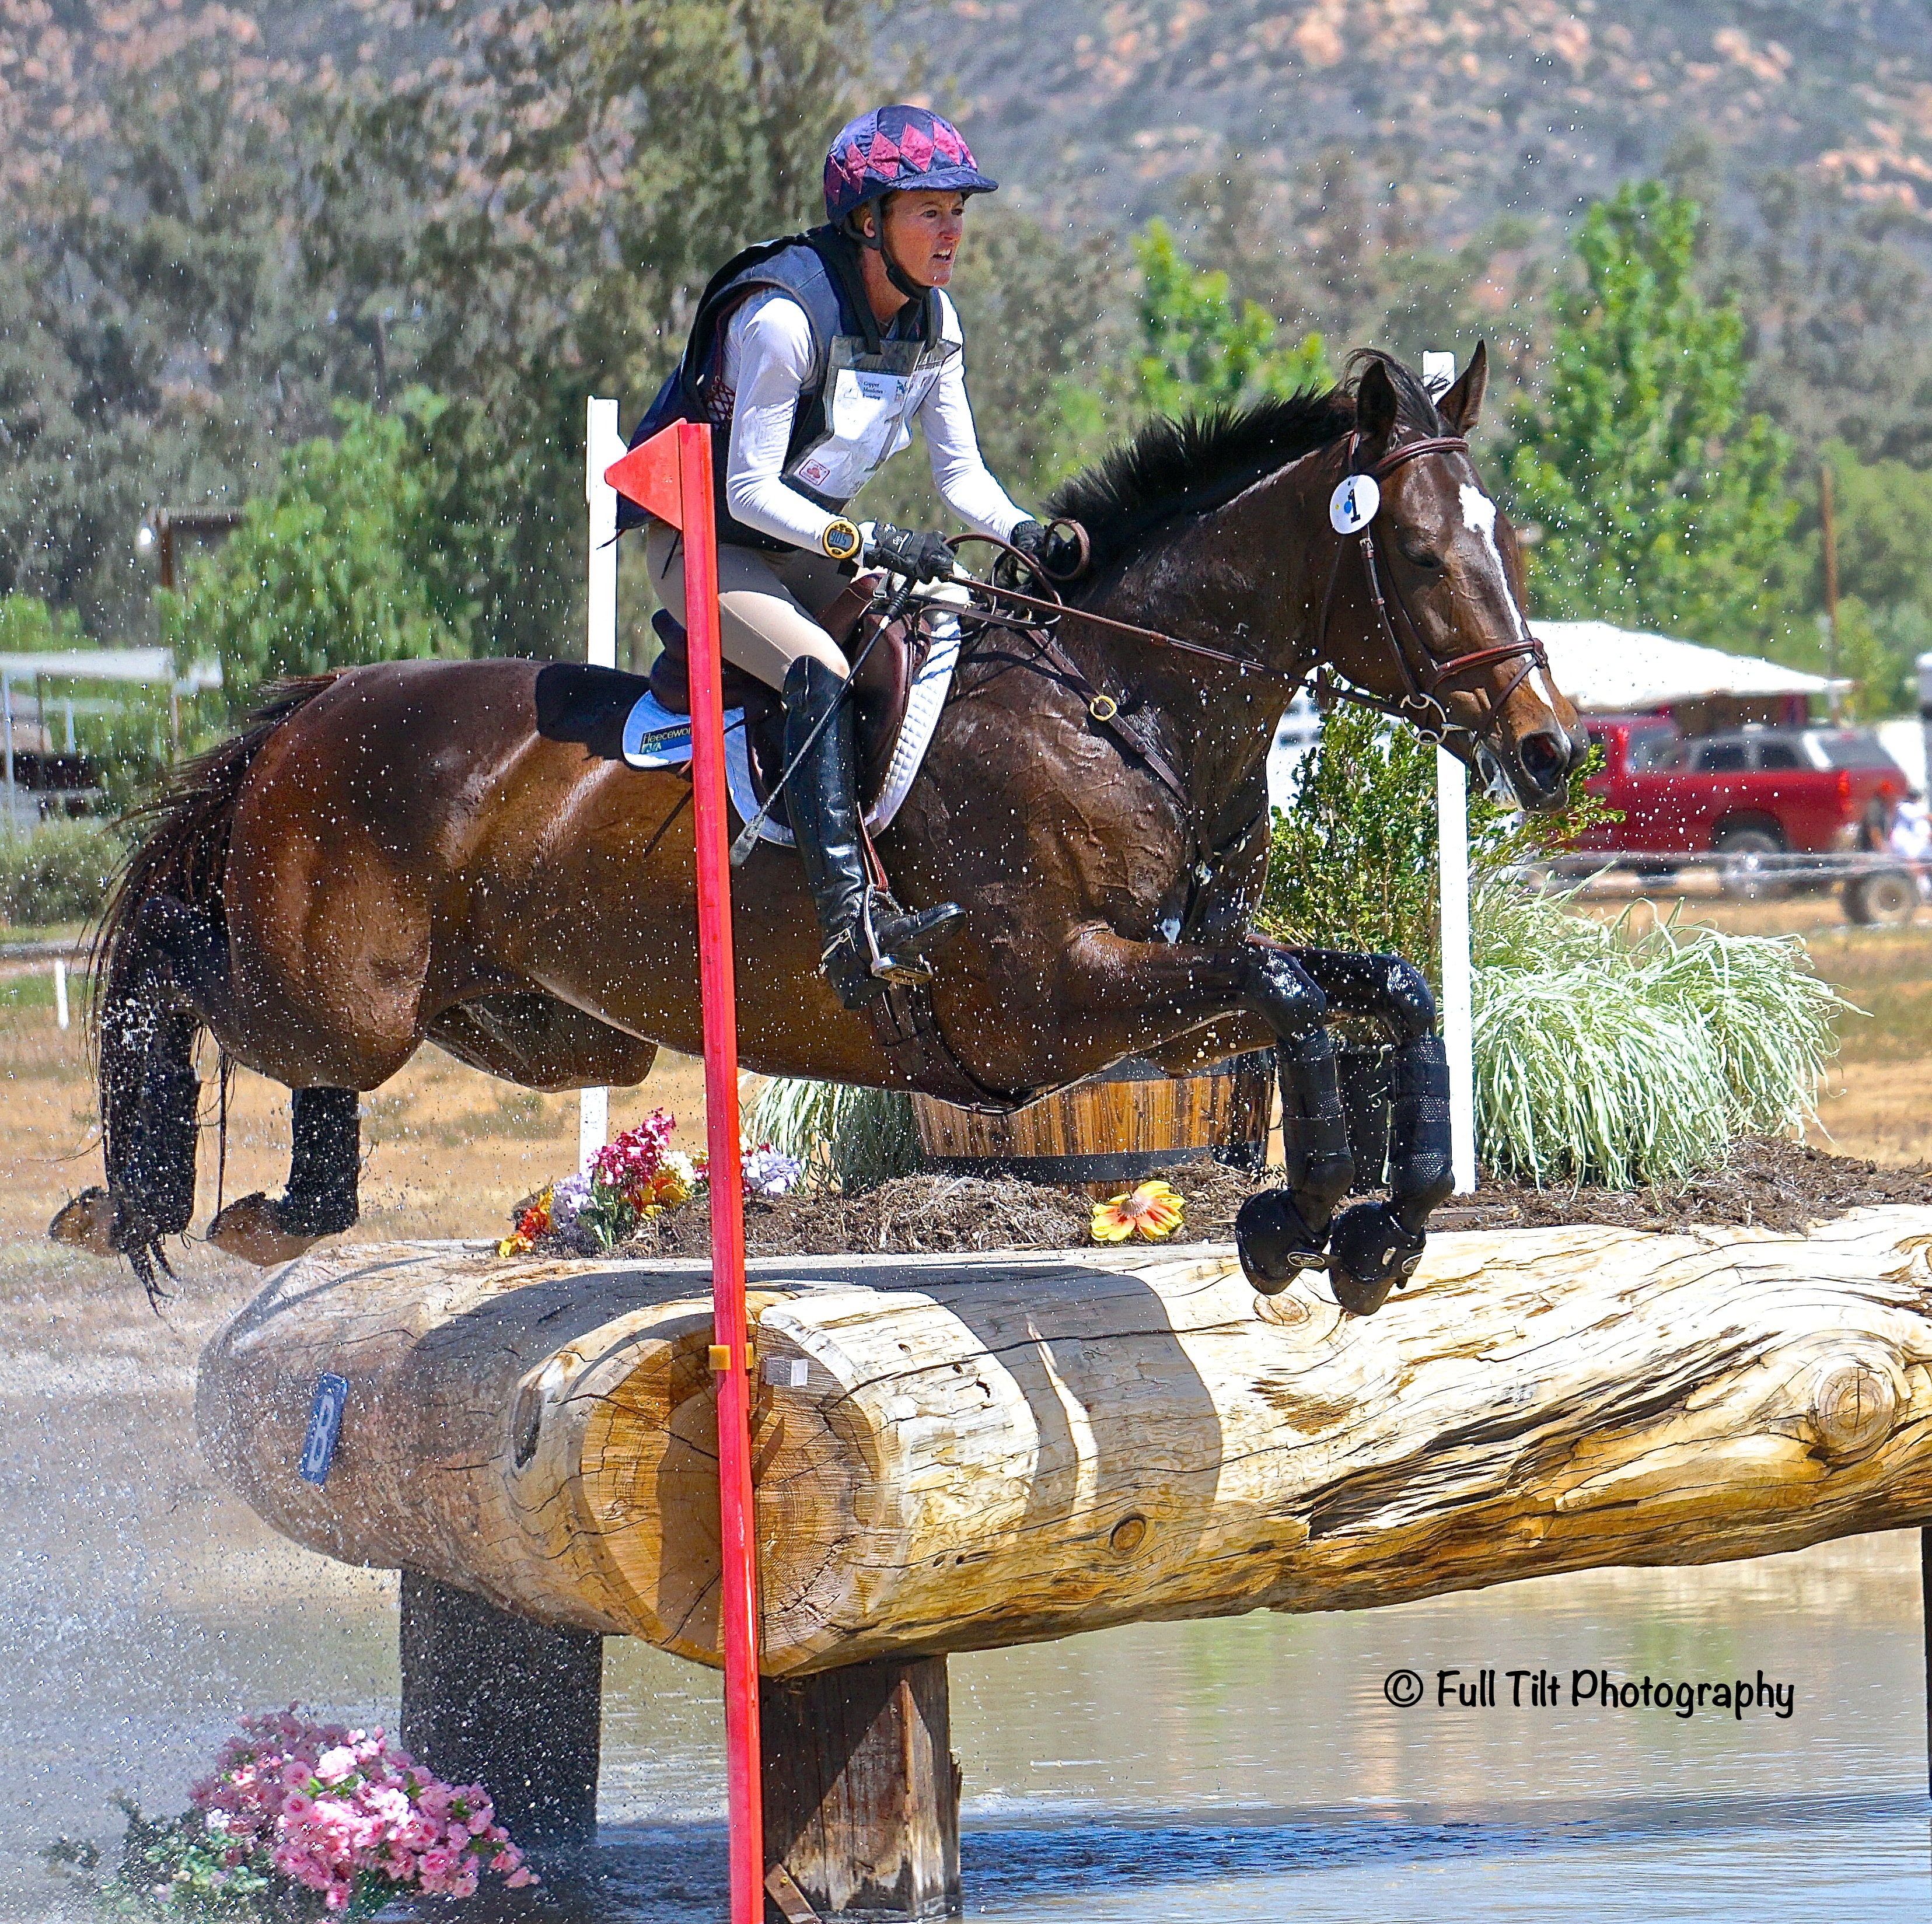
[346,557]
[1352,861]
[1609,1055]
[61,872]
[28,626]
[848,1139]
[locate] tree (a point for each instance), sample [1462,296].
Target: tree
[1202,348]
[157,338]
[1658,502]
[537,212]
[345,560]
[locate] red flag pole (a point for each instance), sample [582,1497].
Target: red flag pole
[732,1369]
[670,475]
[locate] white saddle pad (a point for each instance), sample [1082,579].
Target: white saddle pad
[654,738]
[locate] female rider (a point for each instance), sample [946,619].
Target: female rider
[811,357]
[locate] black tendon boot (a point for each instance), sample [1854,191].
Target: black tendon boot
[869,939]
[1376,1246]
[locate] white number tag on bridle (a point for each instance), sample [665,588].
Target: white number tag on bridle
[1353,504]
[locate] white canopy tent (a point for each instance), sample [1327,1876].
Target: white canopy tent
[1607,670]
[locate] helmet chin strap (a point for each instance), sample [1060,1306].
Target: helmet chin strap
[895,273]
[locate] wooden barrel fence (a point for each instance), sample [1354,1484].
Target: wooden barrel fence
[1112,1131]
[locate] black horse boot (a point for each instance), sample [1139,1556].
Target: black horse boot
[869,939]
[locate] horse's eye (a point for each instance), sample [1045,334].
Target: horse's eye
[1417,551]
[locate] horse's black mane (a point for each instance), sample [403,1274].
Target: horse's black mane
[1172,468]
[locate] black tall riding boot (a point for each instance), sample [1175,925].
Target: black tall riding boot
[869,939]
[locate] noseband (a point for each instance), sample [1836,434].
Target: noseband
[1425,677]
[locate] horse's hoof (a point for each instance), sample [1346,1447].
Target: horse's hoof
[251,1228]
[87,1223]
[1274,1244]
[1369,1254]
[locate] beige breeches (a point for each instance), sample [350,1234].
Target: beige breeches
[767,602]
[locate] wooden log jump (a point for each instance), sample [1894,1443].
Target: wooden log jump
[956,1454]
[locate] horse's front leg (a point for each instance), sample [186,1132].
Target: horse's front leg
[1376,1246]
[1149,991]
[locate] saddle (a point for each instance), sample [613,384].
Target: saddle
[592,705]
[881,686]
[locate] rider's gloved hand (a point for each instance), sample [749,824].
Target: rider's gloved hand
[1056,553]
[923,557]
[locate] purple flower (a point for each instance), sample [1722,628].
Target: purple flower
[566,1198]
[768,1172]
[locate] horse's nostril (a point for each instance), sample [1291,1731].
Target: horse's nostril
[1545,758]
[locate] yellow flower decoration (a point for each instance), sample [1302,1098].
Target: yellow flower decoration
[517,1244]
[1153,1210]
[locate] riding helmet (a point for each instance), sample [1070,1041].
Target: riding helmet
[896,150]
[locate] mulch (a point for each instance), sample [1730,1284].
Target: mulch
[1768,1183]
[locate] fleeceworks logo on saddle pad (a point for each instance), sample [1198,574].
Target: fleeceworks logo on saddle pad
[654,738]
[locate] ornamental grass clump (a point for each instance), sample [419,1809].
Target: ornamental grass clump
[846,1139]
[1611,1054]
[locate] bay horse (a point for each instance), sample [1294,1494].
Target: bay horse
[397,854]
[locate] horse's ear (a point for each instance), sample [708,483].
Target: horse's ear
[1375,403]
[1462,405]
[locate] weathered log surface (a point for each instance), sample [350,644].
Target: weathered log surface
[994,1450]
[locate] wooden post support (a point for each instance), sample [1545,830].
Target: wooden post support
[862,1790]
[495,1699]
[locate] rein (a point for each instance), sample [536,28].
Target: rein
[1421,705]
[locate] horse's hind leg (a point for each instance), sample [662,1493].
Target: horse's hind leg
[171,981]
[320,1199]
[1376,1246]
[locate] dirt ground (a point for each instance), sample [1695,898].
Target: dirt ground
[449,1151]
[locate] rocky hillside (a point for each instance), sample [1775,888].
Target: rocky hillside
[1473,105]
[1108,107]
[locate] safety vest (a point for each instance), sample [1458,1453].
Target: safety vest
[856,408]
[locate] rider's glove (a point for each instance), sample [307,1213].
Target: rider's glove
[923,557]
[1055,553]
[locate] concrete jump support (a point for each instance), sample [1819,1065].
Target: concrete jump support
[492,1698]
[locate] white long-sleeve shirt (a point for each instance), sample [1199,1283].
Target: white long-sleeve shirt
[768,360]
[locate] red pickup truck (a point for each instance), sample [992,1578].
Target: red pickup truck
[1752,791]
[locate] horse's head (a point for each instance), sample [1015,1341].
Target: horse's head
[1425,608]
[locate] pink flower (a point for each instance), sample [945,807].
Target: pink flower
[326,1806]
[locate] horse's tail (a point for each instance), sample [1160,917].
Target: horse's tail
[160,959]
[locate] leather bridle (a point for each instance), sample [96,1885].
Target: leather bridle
[1427,677]
[1038,616]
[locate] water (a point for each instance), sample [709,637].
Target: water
[1251,1768]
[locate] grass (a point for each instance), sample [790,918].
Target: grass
[848,1139]
[33,989]
[1625,1054]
